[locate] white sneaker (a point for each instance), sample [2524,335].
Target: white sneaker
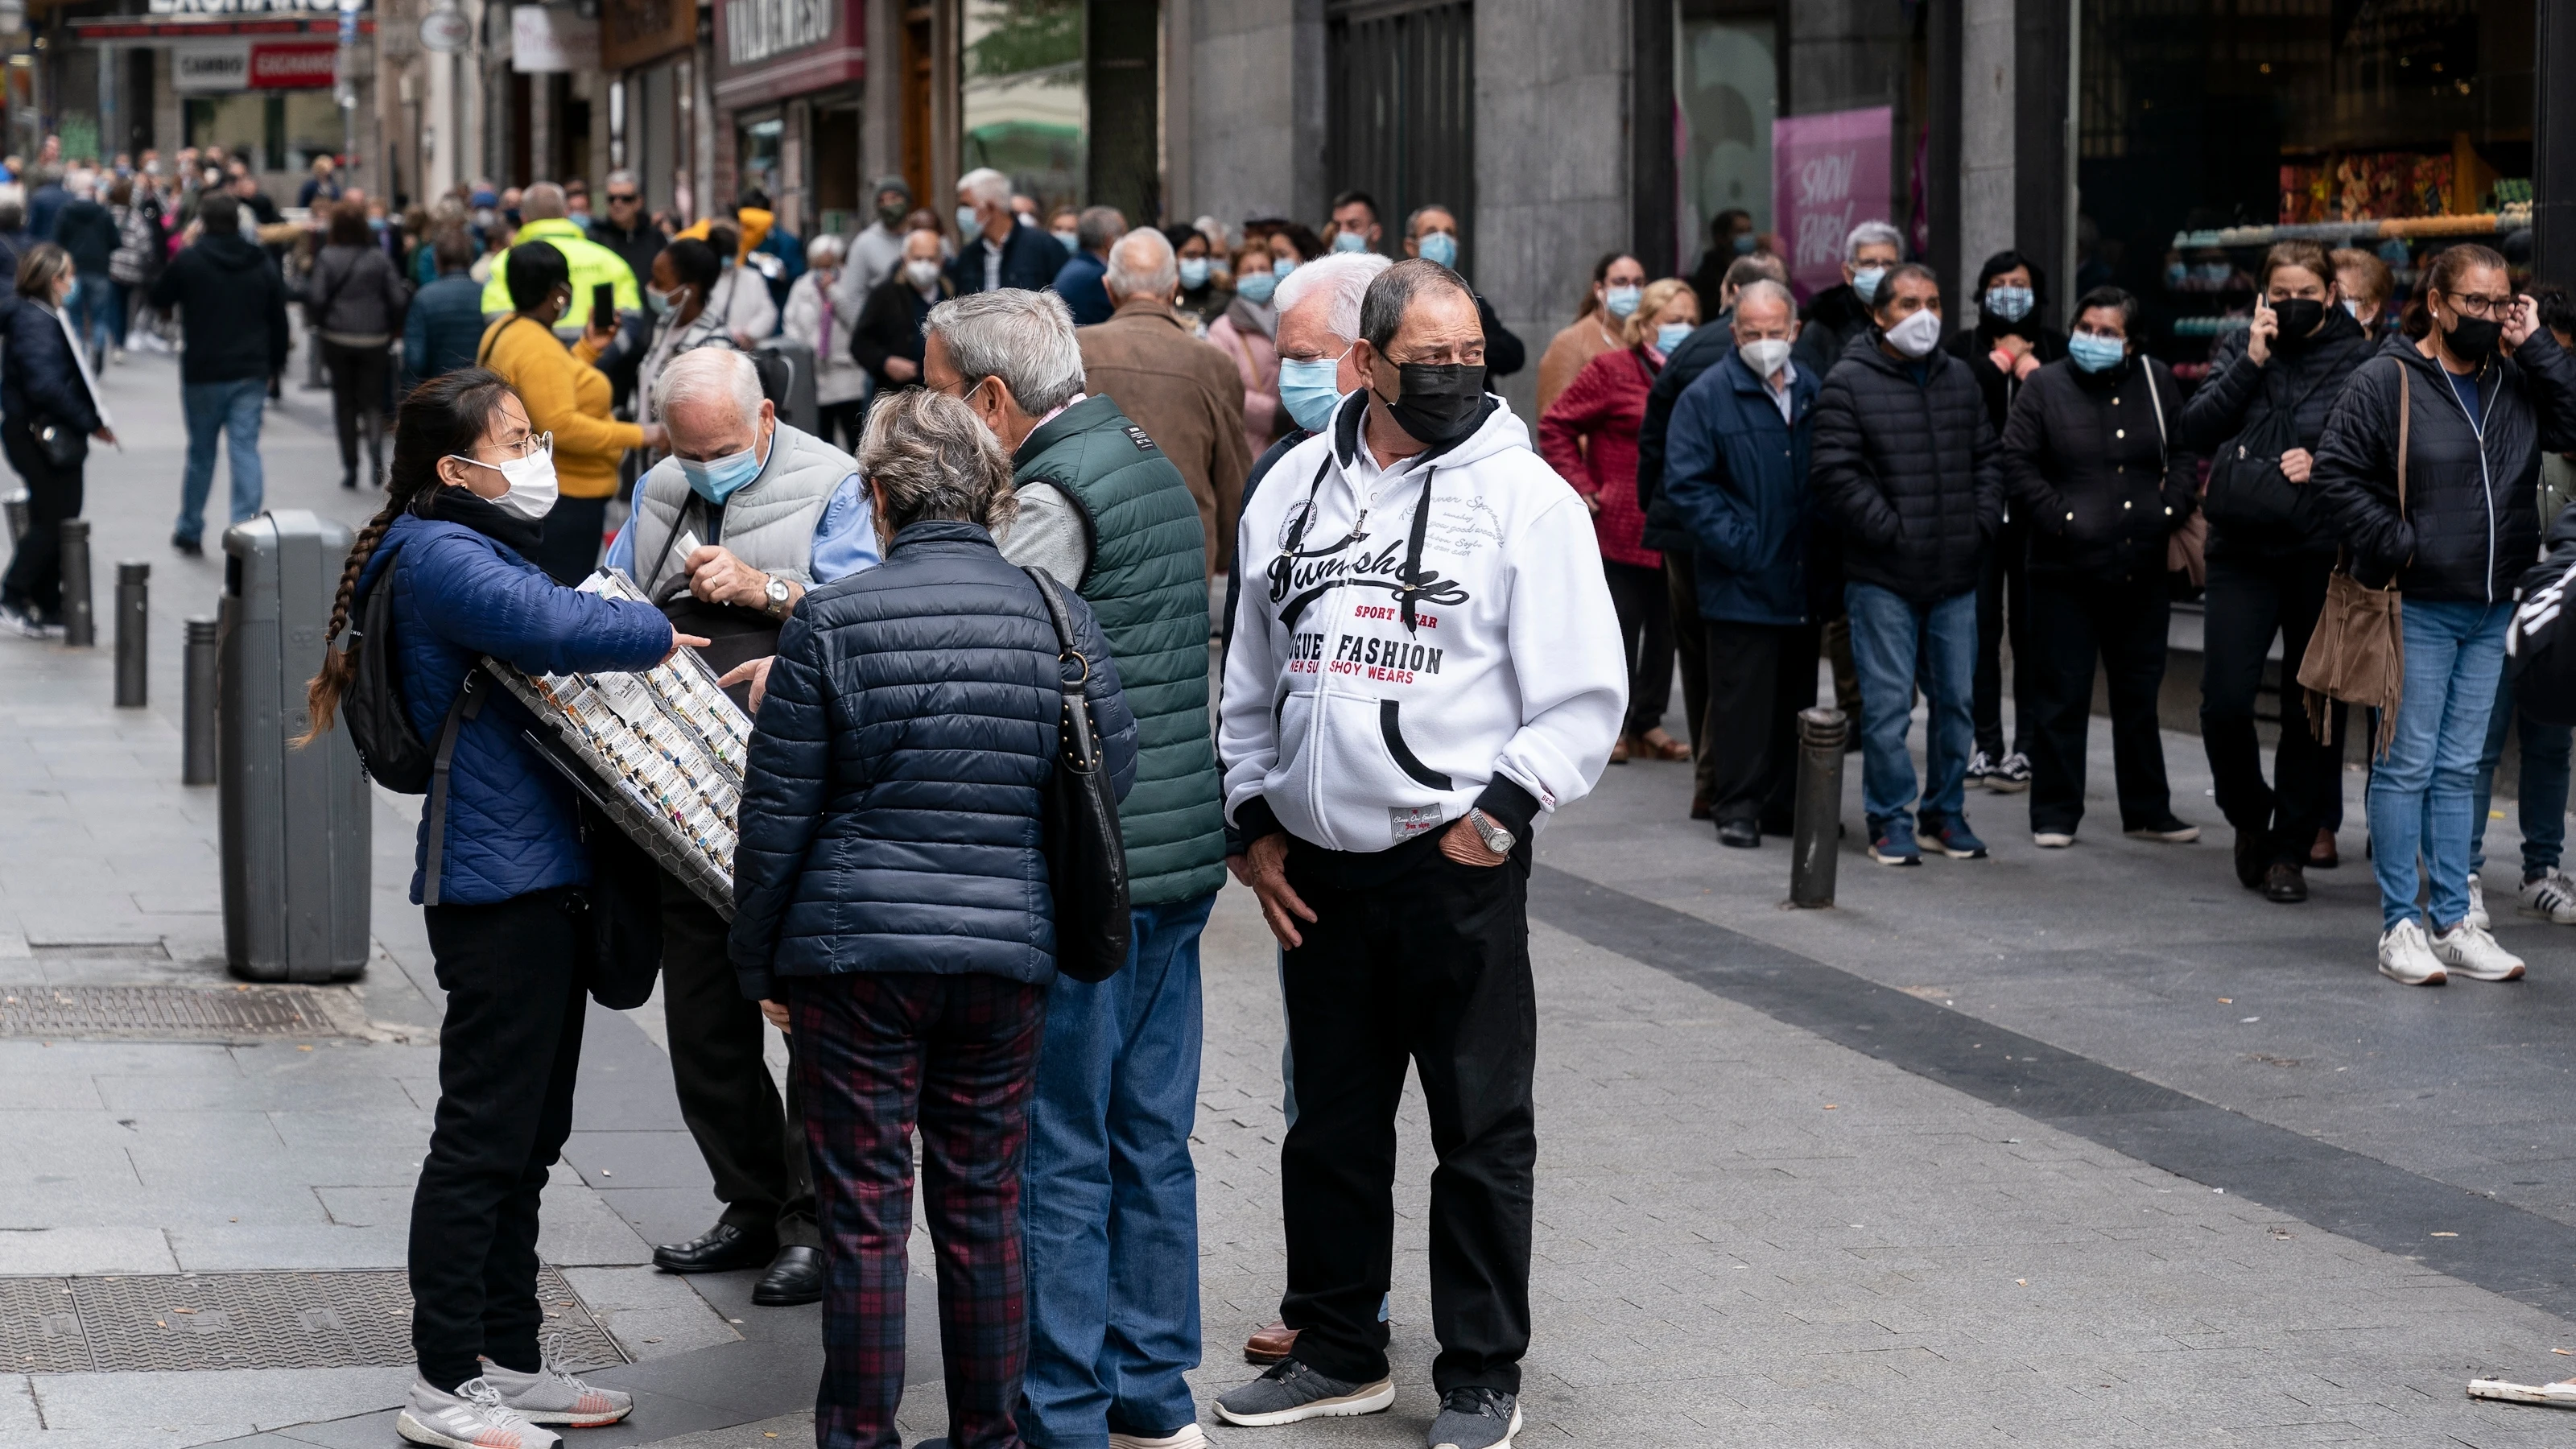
[471,1418]
[2469,950]
[2404,955]
[15,620]
[2552,898]
[1188,1436]
[2477,915]
[551,1396]
[2052,839]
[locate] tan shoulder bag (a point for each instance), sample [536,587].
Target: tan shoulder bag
[2358,652]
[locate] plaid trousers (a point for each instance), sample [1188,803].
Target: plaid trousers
[873,1049]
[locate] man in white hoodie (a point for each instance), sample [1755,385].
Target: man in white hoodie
[1425,665]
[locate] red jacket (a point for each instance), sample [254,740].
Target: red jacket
[1589,434]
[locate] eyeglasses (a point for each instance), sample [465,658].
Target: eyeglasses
[534,445]
[623,198]
[2471,304]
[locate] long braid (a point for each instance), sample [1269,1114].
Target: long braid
[322,696]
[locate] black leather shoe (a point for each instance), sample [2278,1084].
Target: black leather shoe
[2286,884]
[720,1249]
[1742,834]
[795,1276]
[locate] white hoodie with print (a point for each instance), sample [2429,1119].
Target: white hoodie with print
[1355,728]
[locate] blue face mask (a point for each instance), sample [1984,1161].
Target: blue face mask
[1255,287]
[1194,272]
[1349,241]
[1744,244]
[1441,247]
[2010,304]
[2096,354]
[1865,281]
[1622,300]
[967,225]
[718,479]
[1283,267]
[1670,335]
[1310,389]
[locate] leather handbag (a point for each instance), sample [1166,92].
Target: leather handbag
[1086,855]
[2358,652]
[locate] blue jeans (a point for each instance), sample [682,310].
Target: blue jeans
[1890,637]
[2545,749]
[90,308]
[1111,1198]
[2423,791]
[232,409]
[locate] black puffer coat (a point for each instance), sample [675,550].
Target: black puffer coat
[2093,466]
[1910,470]
[2240,391]
[1706,347]
[2471,526]
[890,803]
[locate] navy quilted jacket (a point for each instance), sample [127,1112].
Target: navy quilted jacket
[890,809]
[457,597]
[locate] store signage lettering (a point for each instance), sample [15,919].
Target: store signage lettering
[246,7]
[1829,173]
[202,68]
[756,30]
[291,67]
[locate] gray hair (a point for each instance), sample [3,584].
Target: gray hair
[1344,277]
[824,251]
[705,374]
[542,201]
[1872,233]
[623,177]
[984,184]
[1388,298]
[1023,338]
[1142,265]
[930,457]
[1097,226]
[1763,289]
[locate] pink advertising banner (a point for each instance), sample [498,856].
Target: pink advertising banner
[1829,173]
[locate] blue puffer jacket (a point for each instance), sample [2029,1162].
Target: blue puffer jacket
[40,380]
[1735,475]
[890,810]
[457,597]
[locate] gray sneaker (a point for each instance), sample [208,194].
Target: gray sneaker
[1292,1393]
[1474,1418]
[471,1418]
[551,1396]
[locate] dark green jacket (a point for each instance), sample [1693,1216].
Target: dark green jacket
[1148,588]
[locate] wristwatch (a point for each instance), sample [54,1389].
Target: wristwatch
[1496,838]
[778,598]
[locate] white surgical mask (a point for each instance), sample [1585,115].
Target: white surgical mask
[922,274]
[532,479]
[1764,355]
[1918,334]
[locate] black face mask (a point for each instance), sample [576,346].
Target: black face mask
[892,216]
[1438,401]
[2299,318]
[2474,339]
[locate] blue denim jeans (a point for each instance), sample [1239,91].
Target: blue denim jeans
[91,309]
[1111,1197]
[2545,749]
[232,409]
[1890,637]
[2423,791]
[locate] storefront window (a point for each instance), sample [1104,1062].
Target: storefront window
[758,157]
[1726,88]
[285,129]
[1023,103]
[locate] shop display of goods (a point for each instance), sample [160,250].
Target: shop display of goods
[2366,186]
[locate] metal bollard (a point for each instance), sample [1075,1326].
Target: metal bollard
[80,622]
[17,506]
[1813,851]
[197,706]
[133,633]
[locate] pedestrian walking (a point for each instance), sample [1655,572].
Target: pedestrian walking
[1839,315]
[2431,460]
[232,315]
[542,218]
[49,410]
[500,874]
[1599,326]
[1737,459]
[1184,394]
[2090,454]
[887,896]
[87,229]
[1590,437]
[993,250]
[354,304]
[887,341]
[443,326]
[142,245]
[1907,462]
[1399,717]
[2259,415]
[818,315]
[727,535]
[627,230]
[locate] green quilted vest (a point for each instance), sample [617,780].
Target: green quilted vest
[1148,590]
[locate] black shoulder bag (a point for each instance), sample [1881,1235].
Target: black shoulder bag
[1086,855]
[2247,488]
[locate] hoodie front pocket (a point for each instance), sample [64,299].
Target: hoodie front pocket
[1373,788]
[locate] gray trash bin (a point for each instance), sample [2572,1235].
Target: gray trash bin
[295,822]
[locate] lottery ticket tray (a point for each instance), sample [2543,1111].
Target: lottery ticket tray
[660,752]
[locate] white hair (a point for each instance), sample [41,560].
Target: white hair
[622,177]
[1141,265]
[1870,233]
[984,184]
[1344,277]
[1763,289]
[824,251]
[1024,338]
[705,374]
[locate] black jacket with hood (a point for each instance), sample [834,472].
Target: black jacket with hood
[232,309]
[1910,469]
[1830,322]
[2239,392]
[2098,470]
[2470,528]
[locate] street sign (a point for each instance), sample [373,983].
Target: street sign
[445,32]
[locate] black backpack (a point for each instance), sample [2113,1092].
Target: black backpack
[391,752]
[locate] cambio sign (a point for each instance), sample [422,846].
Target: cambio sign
[755,30]
[1829,173]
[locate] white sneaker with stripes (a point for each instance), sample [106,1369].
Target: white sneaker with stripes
[471,1418]
[2552,898]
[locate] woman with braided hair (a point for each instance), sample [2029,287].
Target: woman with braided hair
[502,884]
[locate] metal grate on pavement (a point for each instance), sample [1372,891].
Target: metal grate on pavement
[164,1013]
[348,1319]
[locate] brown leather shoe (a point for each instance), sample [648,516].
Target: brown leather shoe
[2323,855]
[1269,1345]
[1701,809]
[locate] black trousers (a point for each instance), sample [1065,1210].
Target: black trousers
[1644,603]
[508,1053]
[1759,677]
[2073,621]
[754,1144]
[1690,645]
[358,376]
[2003,617]
[1412,958]
[568,546]
[35,578]
[2249,600]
